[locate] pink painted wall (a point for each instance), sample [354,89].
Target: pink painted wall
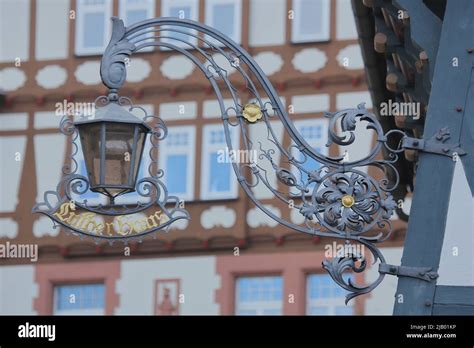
[292,266]
[48,275]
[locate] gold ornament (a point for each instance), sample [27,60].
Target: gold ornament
[347,201]
[252,113]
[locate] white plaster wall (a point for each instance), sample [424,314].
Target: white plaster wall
[270,62]
[88,73]
[267,22]
[14,30]
[17,290]
[198,284]
[218,216]
[46,119]
[138,70]
[13,121]
[457,256]
[223,63]
[12,78]
[256,217]
[382,298]
[52,29]
[310,103]
[43,227]
[177,67]
[149,109]
[8,228]
[345,23]
[309,60]
[350,57]
[352,99]
[10,173]
[178,111]
[181,224]
[211,108]
[51,76]
[49,158]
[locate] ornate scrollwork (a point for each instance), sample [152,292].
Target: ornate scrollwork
[150,190]
[366,203]
[335,197]
[113,70]
[338,267]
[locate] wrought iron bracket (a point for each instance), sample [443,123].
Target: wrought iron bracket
[423,273]
[338,199]
[434,145]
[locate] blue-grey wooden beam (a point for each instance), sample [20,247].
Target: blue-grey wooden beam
[428,214]
[454,295]
[440,309]
[425,28]
[467,135]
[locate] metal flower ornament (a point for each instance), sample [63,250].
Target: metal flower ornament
[333,197]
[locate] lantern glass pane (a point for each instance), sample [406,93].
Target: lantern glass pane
[91,144]
[118,156]
[138,154]
[112,152]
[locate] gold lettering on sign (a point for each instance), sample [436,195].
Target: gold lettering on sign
[122,225]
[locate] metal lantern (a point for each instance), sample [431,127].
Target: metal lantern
[112,143]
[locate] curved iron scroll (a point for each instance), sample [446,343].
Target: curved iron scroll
[336,198]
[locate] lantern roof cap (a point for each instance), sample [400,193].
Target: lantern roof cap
[111,112]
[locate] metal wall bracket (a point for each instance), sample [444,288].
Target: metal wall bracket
[423,273]
[435,144]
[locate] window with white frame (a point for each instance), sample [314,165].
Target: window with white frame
[183,9]
[133,11]
[315,132]
[217,176]
[93,26]
[325,297]
[226,17]
[79,299]
[176,158]
[311,21]
[259,295]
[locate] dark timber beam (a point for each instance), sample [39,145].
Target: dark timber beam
[434,176]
